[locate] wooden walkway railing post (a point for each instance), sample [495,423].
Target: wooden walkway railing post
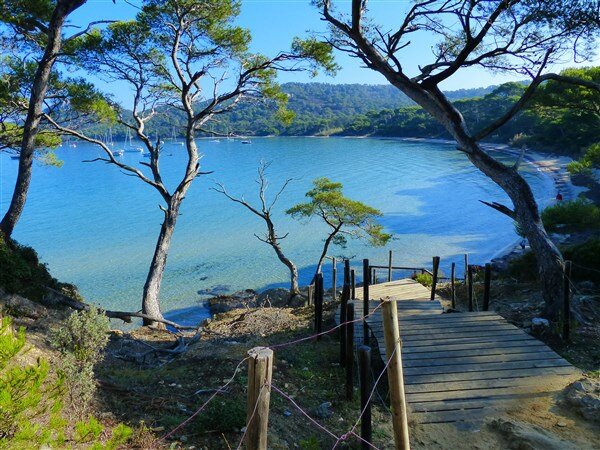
[260,371]
[366,281]
[470,286]
[466,266]
[453,285]
[566,331]
[343,319]
[334,278]
[390,266]
[350,352]
[352,284]
[319,294]
[486,286]
[434,278]
[366,432]
[393,351]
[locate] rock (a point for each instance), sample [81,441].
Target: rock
[539,324]
[323,411]
[240,299]
[18,306]
[584,397]
[522,436]
[561,424]
[277,297]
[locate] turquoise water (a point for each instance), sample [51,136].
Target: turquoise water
[96,227]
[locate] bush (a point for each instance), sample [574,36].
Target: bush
[424,278]
[31,406]
[586,258]
[569,216]
[81,341]
[23,274]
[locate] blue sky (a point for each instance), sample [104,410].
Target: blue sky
[274,23]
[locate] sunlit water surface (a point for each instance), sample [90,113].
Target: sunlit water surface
[97,228]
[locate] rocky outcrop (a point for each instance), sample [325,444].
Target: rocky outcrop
[18,306]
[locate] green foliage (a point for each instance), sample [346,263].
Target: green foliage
[81,341]
[222,415]
[345,217]
[22,273]
[585,258]
[319,52]
[569,216]
[311,443]
[589,161]
[31,404]
[424,278]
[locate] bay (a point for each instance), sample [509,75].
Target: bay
[97,228]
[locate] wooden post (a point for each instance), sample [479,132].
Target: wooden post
[453,285]
[334,279]
[567,301]
[350,353]
[343,319]
[466,266]
[486,286]
[374,276]
[366,298]
[347,272]
[260,371]
[365,392]
[436,268]
[311,294]
[470,286]
[352,284]
[390,266]
[393,351]
[319,305]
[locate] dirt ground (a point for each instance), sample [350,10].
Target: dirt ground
[164,395]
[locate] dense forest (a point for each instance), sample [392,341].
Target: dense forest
[319,109]
[558,118]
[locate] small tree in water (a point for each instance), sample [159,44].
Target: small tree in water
[346,218]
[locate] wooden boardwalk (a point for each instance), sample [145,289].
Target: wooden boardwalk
[462,366]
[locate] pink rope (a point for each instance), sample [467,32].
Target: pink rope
[199,410]
[290,399]
[307,338]
[367,404]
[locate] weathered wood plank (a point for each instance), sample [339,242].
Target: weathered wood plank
[556,362]
[476,358]
[432,379]
[501,351]
[476,393]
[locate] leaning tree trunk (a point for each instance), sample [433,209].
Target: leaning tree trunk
[32,121]
[294,289]
[526,213]
[151,297]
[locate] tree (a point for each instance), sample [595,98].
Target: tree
[346,218]
[34,27]
[518,36]
[190,56]
[264,212]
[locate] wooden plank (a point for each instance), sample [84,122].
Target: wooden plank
[490,375]
[454,338]
[475,359]
[501,350]
[471,403]
[492,341]
[461,329]
[499,336]
[556,362]
[474,394]
[443,348]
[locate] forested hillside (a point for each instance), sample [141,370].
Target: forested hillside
[319,108]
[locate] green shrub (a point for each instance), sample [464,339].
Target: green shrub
[81,341]
[22,273]
[222,415]
[31,404]
[586,260]
[424,278]
[569,216]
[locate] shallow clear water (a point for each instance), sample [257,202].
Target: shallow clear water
[96,227]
